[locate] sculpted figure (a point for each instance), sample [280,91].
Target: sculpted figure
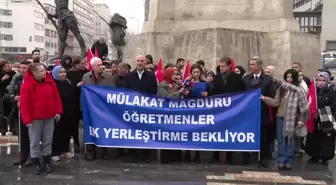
[66,21]
[146,9]
[118,24]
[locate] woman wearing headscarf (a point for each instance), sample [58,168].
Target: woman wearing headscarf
[40,106]
[62,133]
[320,144]
[293,111]
[210,76]
[169,89]
[240,70]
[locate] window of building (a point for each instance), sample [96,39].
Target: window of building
[38,38]
[13,49]
[38,14]
[41,49]
[6,24]
[6,37]
[38,26]
[331,45]
[5,12]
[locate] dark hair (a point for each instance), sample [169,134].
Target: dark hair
[108,66]
[201,63]
[295,76]
[227,60]
[35,50]
[241,69]
[218,69]
[50,67]
[78,60]
[115,62]
[129,67]
[194,66]
[150,58]
[25,62]
[36,60]
[179,60]
[169,65]
[3,62]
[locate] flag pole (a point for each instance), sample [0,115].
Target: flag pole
[314,83]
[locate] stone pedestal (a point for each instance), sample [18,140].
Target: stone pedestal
[211,29]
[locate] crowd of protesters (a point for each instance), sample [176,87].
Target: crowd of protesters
[47,99]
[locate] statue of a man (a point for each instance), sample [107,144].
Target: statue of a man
[118,24]
[67,21]
[146,9]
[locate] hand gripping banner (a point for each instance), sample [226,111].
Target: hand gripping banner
[116,117]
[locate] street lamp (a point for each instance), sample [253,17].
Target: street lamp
[137,23]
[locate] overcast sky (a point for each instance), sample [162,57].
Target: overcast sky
[127,8]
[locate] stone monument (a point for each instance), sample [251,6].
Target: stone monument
[211,29]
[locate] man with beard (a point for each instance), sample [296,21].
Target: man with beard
[98,77]
[75,76]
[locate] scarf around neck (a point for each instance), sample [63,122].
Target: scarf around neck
[297,109]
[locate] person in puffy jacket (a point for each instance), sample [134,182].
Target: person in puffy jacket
[40,104]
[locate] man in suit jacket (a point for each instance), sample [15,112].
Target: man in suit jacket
[225,82]
[255,80]
[142,81]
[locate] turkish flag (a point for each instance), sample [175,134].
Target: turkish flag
[58,63]
[96,53]
[159,71]
[89,57]
[186,73]
[233,65]
[312,100]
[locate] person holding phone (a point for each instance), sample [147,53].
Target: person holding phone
[40,106]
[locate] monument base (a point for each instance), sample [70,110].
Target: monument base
[279,49]
[271,25]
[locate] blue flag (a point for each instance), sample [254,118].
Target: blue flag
[116,117]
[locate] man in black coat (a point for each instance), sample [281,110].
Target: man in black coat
[298,67]
[226,82]
[143,81]
[75,76]
[255,80]
[102,49]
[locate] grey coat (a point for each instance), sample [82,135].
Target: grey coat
[165,91]
[104,80]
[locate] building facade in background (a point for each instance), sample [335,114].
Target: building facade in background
[24,26]
[21,29]
[51,36]
[317,17]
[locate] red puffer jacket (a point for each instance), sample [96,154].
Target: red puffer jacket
[39,101]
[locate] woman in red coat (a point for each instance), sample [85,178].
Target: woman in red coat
[40,104]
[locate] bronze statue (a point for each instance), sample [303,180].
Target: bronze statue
[146,9]
[118,24]
[66,21]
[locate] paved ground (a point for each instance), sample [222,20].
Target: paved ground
[115,172]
